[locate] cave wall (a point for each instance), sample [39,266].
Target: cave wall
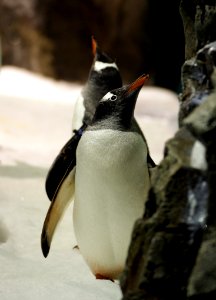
[23,45]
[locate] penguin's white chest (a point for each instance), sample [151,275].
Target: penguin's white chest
[110,186]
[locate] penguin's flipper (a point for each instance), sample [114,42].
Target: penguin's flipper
[63,164]
[150,162]
[56,210]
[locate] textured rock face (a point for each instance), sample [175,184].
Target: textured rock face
[199,19]
[202,284]
[165,243]
[196,80]
[172,252]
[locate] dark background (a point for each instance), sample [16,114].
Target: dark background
[53,37]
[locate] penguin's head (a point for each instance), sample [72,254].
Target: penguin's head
[104,71]
[117,106]
[100,56]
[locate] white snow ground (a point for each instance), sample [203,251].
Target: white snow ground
[35,122]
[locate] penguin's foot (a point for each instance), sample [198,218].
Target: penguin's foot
[102,277]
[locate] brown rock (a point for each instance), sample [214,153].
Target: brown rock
[23,44]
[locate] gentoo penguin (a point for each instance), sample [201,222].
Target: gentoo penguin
[110,179]
[104,76]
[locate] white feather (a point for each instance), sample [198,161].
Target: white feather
[99,65]
[107,96]
[110,186]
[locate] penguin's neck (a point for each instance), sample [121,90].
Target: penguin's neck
[92,93]
[90,102]
[98,86]
[112,122]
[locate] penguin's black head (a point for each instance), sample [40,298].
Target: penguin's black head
[104,73]
[103,57]
[116,109]
[105,79]
[98,54]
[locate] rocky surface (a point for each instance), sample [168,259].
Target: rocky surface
[196,80]
[199,20]
[202,282]
[166,241]
[172,252]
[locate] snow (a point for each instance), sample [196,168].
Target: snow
[35,118]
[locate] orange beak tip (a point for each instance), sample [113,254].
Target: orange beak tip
[138,83]
[94,45]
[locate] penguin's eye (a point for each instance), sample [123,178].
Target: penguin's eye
[109,97]
[113,98]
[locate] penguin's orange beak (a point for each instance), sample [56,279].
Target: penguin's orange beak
[94,46]
[138,83]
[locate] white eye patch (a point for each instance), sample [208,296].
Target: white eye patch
[108,96]
[99,65]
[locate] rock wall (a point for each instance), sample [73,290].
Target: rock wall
[172,251]
[199,19]
[22,43]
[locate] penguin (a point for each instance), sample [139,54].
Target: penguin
[103,77]
[109,178]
